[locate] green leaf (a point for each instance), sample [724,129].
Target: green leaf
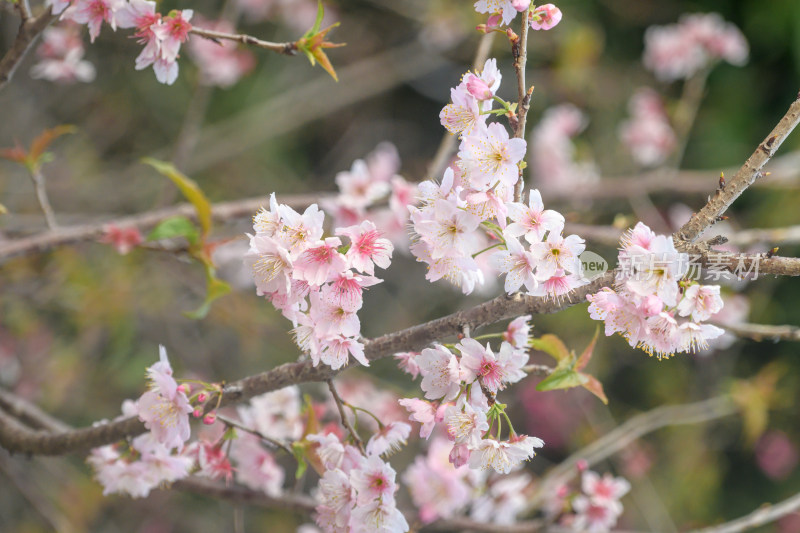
[583,360]
[562,378]
[189,188]
[299,451]
[175,227]
[552,345]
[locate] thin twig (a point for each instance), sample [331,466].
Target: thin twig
[238,425]
[619,438]
[239,494]
[287,48]
[345,420]
[747,174]
[41,195]
[29,30]
[520,52]
[764,332]
[763,515]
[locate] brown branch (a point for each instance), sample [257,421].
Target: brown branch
[65,235]
[763,515]
[345,421]
[620,437]
[764,332]
[238,494]
[17,438]
[29,30]
[519,50]
[287,48]
[771,236]
[747,174]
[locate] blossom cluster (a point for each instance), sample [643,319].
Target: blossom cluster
[469,212]
[648,134]
[373,190]
[678,51]
[162,455]
[653,306]
[356,491]
[503,12]
[60,56]
[315,281]
[595,507]
[460,386]
[161,36]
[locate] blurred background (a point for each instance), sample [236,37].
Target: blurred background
[79,324]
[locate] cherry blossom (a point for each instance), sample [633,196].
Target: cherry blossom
[518,264]
[93,13]
[648,134]
[545,17]
[367,247]
[61,56]
[222,63]
[389,439]
[422,412]
[440,373]
[488,156]
[165,409]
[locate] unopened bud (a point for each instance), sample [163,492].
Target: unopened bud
[184,388]
[582,465]
[478,88]
[202,397]
[209,419]
[197,413]
[521,5]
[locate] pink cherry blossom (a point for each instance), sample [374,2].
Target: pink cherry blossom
[367,247]
[374,479]
[465,425]
[123,239]
[438,489]
[504,499]
[594,517]
[488,156]
[164,409]
[606,488]
[256,467]
[222,63]
[504,8]
[545,17]
[518,332]
[336,349]
[407,362]
[389,439]
[701,302]
[479,362]
[517,263]
[648,134]
[450,233]
[379,516]
[422,412]
[93,13]
[533,220]
[440,373]
[61,56]
[318,264]
[557,252]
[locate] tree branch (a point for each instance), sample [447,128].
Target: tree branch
[17,438]
[763,515]
[345,421]
[65,235]
[764,332]
[620,437]
[239,494]
[29,30]
[519,50]
[747,174]
[288,48]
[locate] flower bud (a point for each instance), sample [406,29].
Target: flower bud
[521,5]
[184,388]
[209,419]
[202,397]
[582,465]
[197,413]
[459,455]
[478,88]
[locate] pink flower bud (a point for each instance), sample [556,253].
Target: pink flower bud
[545,17]
[184,388]
[209,419]
[562,491]
[202,397]
[582,465]
[478,88]
[459,455]
[197,413]
[521,5]
[493,21]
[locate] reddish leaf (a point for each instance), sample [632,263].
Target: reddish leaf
[583,360]
[595,387]
[40,143]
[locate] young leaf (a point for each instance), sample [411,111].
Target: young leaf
[190,190]
[552,345]
[562,378]
[175,227]
[595,387]
[40,143]
[583,360]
